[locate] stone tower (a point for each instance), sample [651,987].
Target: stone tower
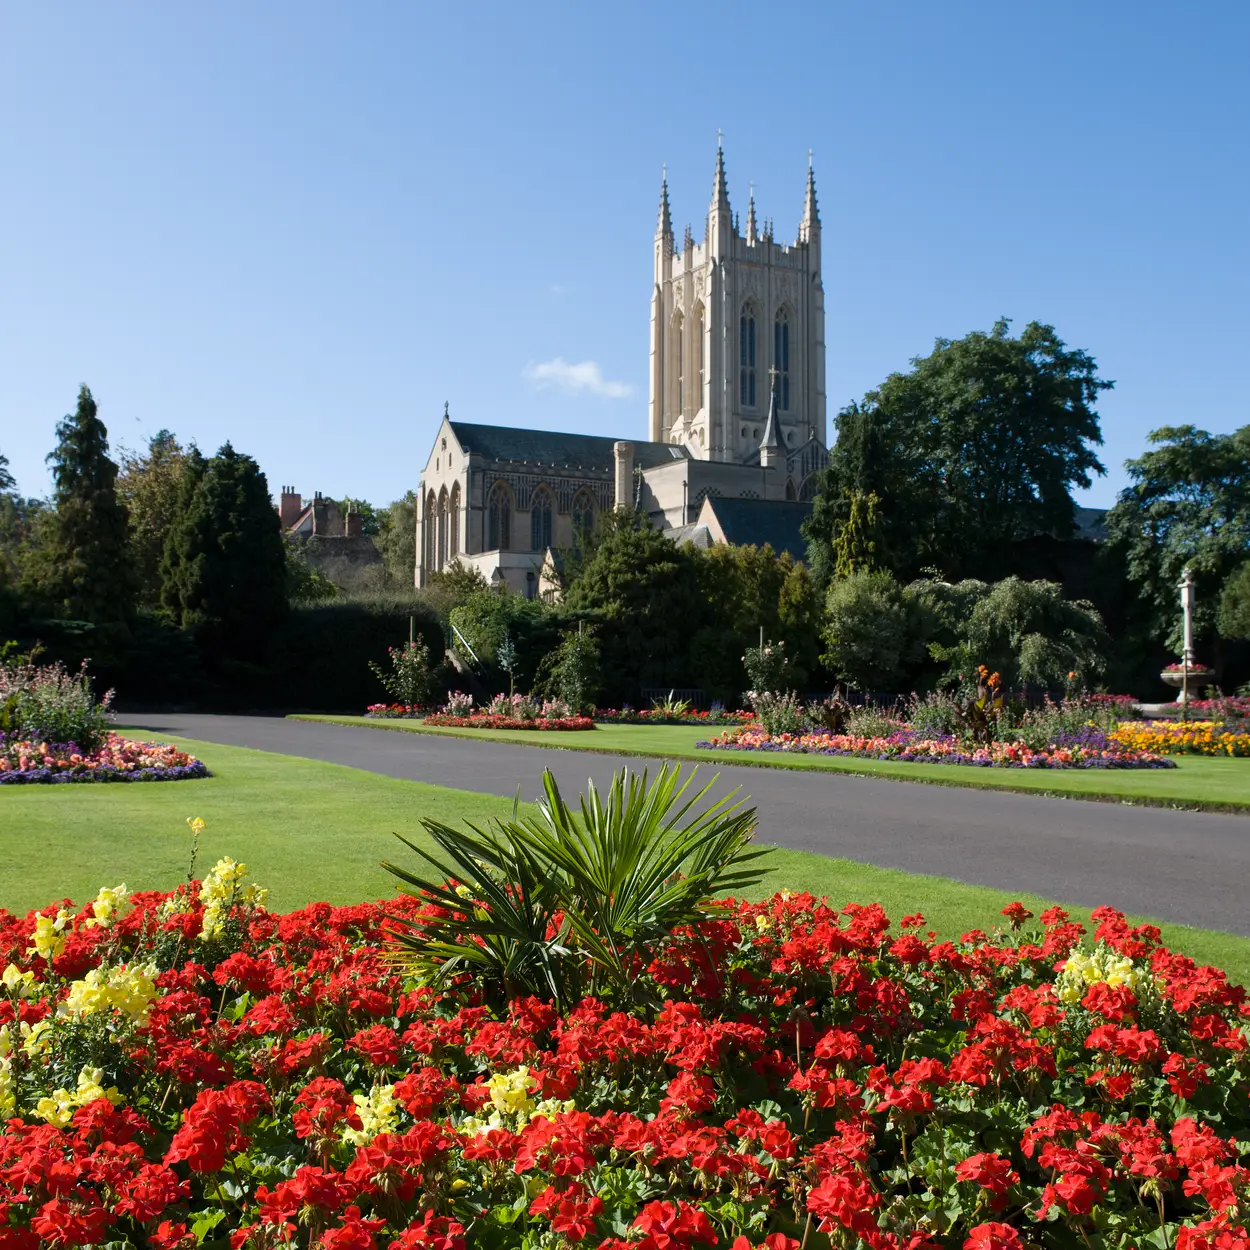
[725,314]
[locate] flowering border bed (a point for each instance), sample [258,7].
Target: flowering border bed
[482,720]
[188,1067]
[1093,750]
[1195,737]
[395,711]
[119,759]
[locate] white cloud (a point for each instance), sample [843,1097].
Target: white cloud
[584,378]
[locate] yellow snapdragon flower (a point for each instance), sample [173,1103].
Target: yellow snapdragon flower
[36,1038]
[220,889]
[58,1108]
[378,1113]
[108,906]
[48,939]
[8,1089]
[18,983]
[1102,964]
[128,989]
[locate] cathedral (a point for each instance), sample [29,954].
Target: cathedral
[736,417]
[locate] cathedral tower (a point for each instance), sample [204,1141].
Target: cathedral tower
[733,320]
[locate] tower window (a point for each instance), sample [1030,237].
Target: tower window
[698,354]
[540,519]
[453,522]
[499,518]
[781,358]
[746,358]
[583,514]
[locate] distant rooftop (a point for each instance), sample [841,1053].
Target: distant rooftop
[754,522]
[565,451]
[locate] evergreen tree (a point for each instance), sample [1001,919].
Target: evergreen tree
[149,486]
[83,569]
[224,568]
[857,544]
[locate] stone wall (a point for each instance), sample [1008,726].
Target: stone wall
[350,563]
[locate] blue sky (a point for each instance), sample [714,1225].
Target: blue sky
[303,226]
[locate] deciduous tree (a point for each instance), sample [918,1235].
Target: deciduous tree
[148,484]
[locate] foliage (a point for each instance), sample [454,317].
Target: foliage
[45,703]
[149,487]
[857,544]
[304,583]
[1029,632]
[224,565]
[7,482]
[1187,506]
[644,591]
[82,567]
[977,447]
[871,631]
[370,517]
[564,902]
[870,721]
[575,669]
[779,712]
[1233,618]
[396,540]
[768,670]
[409,679]
[937,714]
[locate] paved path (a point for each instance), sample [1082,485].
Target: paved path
[1188,867]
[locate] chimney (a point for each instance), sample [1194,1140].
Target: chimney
[623,457]
[321,516]
[290,507]
[355,524]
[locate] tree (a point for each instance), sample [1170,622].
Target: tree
[857,543]
[305,584]
[1188,506]
[397,540]
[1233,617]
[974,449]
[7,484]
[224,567]
[148,485]
[872,634]
[644,587]
[84,569]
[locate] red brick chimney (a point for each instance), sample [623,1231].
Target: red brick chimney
[290,508]
[355,525]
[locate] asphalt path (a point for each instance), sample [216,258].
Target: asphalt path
[1186,867]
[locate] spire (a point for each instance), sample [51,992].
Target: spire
[665,224]
[752,233]
[720,193]
[771,446]
[811,217]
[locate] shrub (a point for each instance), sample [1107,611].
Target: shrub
[768,668]
[872,634]
[872,722]
[46,703]
[936,715]
[778,713]
[409,679]
[575,669]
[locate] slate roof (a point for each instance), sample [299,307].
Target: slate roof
[548,447]
[1091,524]
[754,522]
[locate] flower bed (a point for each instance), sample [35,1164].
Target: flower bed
[118,759]
[485,720]
[1167,737]
[1089,749]
[657,716]
[189,1068]
[395,711]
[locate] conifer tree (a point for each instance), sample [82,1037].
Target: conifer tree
[224,566]
[857,544]
[84,569]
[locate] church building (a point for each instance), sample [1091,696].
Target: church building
[736,411]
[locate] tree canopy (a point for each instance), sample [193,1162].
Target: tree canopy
[148,484]
[83,567]
[1187,505]
[977,447]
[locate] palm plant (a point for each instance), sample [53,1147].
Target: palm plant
[561,902]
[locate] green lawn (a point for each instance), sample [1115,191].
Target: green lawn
[318,831]
[1196,782]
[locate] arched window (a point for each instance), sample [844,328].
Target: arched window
[811,485]
[499,518]
[679,364]
[442,528]
[431,533]
[790,492]
[746,357]
[781,358]
[542,506]
[698,355]
[453,522]
[584,511]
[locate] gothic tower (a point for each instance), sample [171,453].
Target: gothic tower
[733,319]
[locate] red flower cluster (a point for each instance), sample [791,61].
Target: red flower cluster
[482,720]
[787,1070]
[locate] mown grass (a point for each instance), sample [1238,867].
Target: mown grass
[313,831]
[1196,782]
